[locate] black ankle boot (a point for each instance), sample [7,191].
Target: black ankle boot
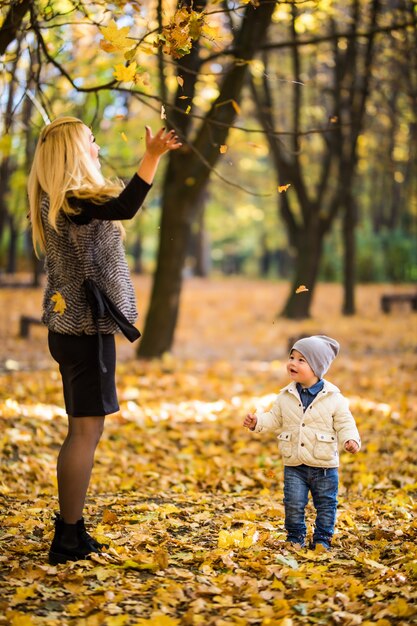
[88,538]
[71,542]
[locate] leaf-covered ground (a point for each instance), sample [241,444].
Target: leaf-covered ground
[190,501]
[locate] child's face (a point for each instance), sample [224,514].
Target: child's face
[299,370]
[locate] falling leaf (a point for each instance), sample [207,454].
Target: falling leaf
[123,136]
[236,107]
[334,119]
[282,188]
[188,109]
[223,149]
[60,304]
[163,114]
[301,288]
[180,81]
[184,97]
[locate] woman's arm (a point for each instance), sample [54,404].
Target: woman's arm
[127,204]
[123,207]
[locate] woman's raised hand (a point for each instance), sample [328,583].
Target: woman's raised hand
[162,142]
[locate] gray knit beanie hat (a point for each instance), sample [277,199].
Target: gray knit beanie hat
[319,351]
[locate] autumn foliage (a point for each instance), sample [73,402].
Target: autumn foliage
[190,501]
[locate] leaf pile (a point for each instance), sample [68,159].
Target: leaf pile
[192,503]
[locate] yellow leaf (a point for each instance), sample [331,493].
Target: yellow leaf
[180,81]
[5,145]
[60,304]
[117,37]
[109,517]
[16,618]
[188,109]
[158,619]
[184,97]
[282,188]
[223,149]
[117,620]
[301,288]
[125,74]
[123,136]
[236,107]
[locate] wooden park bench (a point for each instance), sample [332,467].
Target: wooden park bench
[389,299]
[26,322]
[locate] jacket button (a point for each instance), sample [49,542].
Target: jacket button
[302,444]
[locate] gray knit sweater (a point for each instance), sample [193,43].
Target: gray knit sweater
[94,250]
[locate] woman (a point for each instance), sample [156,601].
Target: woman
[75,215]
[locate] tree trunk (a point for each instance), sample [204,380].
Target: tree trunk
[176,219]
[11,267]
[309,249]
[12,23]
[349,228]
[186,179]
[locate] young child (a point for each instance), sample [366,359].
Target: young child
[312,421]
[89,296]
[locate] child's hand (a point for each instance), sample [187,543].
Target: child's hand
[162,142]
[250,421]
[351,446]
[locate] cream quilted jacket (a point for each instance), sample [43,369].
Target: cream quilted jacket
[312,437]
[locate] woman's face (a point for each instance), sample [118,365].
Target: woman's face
[93,147]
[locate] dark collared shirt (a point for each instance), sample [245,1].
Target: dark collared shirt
[308,394]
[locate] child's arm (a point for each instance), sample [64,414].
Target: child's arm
[351,446]
[345,426]
[250,421]
[270,420]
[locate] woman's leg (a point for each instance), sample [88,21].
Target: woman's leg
[75,463]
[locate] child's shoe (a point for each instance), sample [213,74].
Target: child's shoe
[71,542]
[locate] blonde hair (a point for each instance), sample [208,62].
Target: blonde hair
[62,167]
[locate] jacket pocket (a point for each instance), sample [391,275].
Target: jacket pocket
[325,447]
[284,443]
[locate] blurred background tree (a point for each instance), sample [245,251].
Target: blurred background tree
[299,128]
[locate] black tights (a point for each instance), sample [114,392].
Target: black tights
[75,464]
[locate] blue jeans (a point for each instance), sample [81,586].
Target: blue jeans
[323,484]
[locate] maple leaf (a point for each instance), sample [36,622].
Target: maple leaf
[60,304]
[125,74]
[282,188]
[163,114]
[301,289]
[223,149]
[117,37]
[177,37]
